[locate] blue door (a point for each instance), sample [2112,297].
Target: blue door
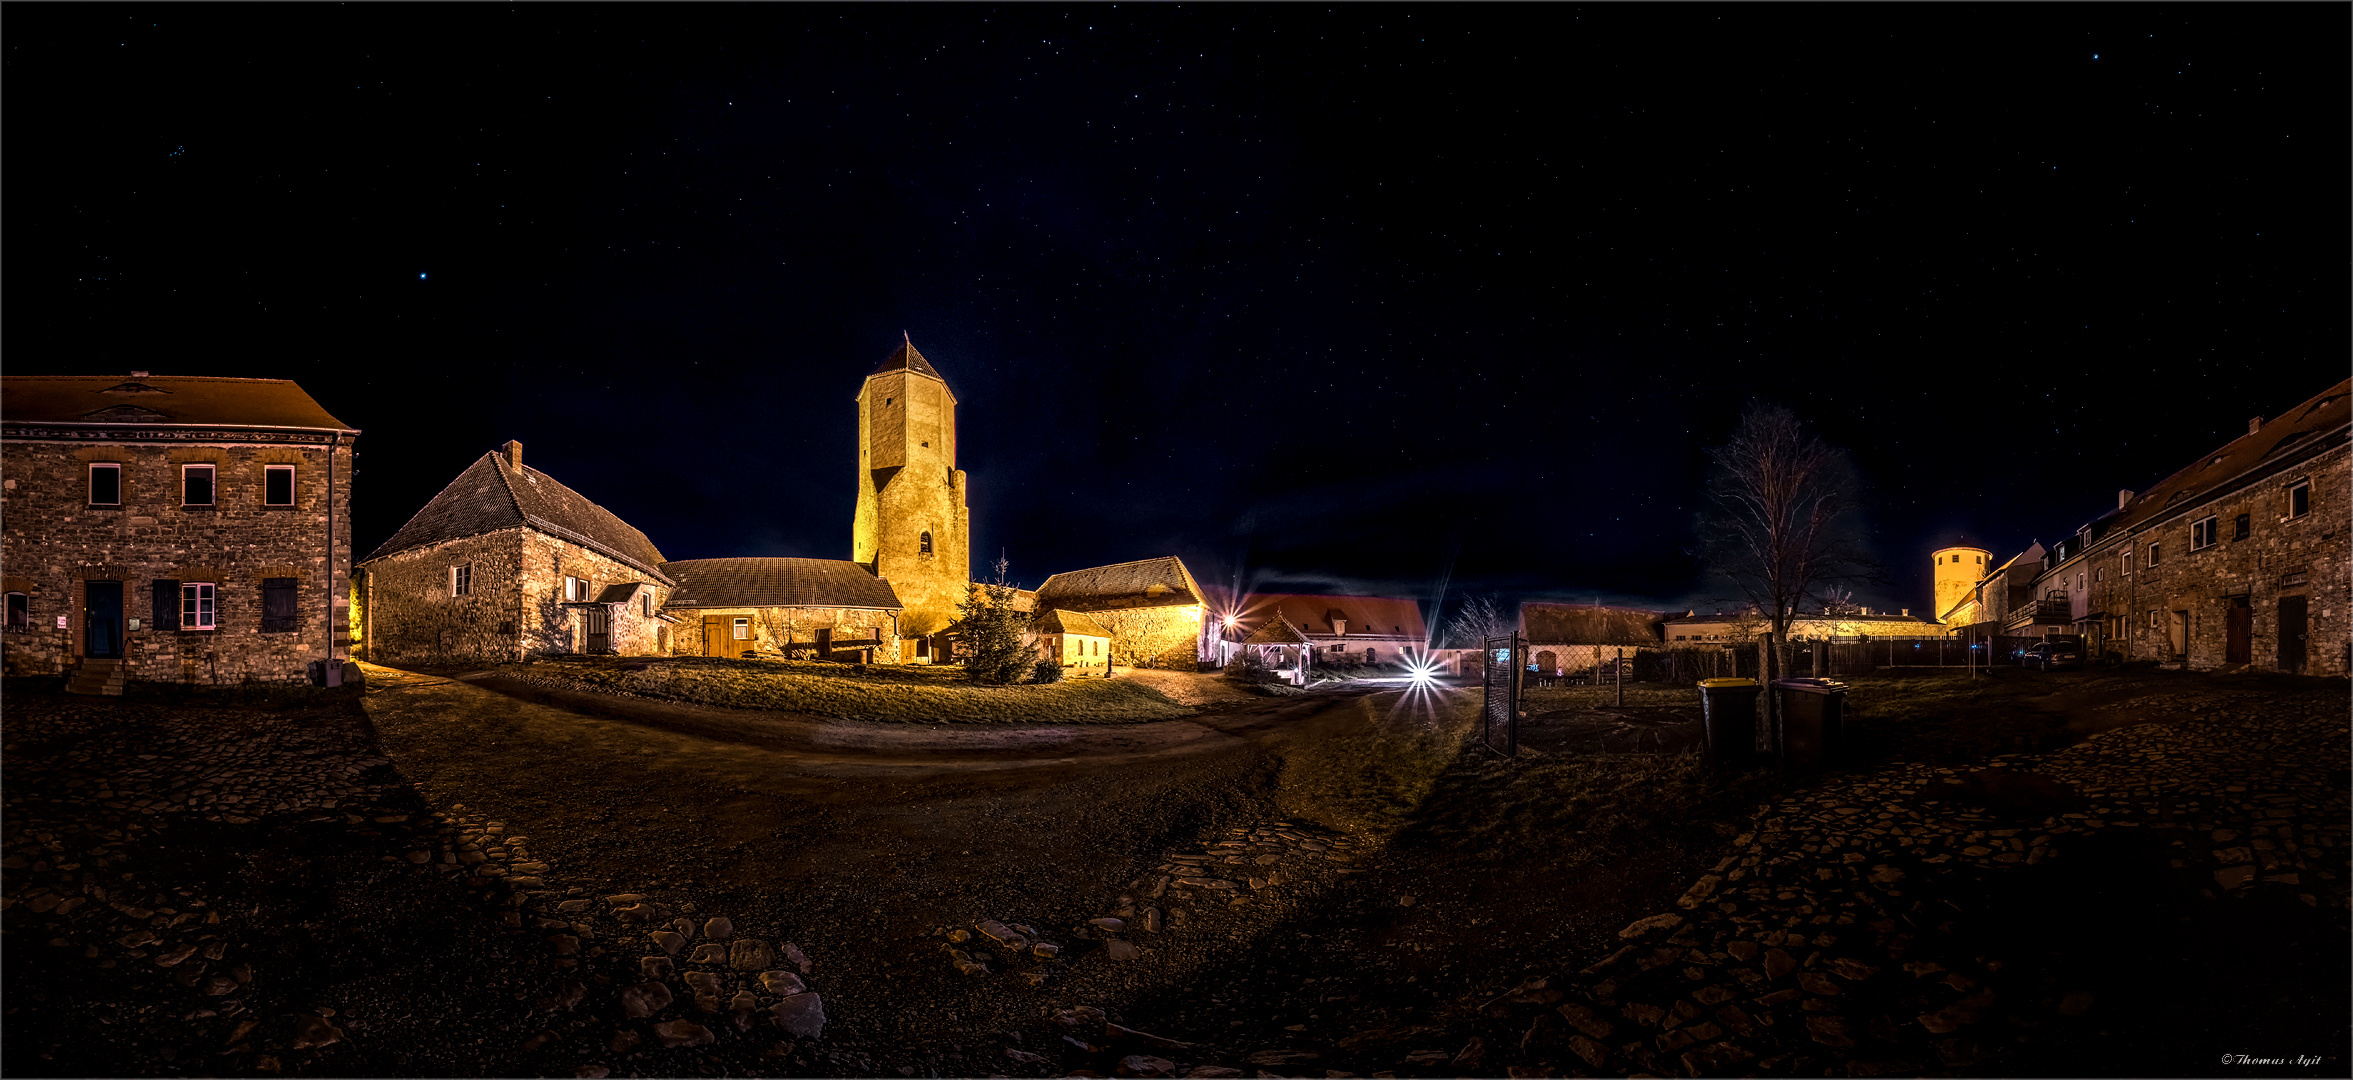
[102,620]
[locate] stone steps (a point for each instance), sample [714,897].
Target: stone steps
[98,677]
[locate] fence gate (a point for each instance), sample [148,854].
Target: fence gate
[1506,665]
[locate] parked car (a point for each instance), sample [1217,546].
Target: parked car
[2053,655]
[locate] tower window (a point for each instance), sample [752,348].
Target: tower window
[926,542]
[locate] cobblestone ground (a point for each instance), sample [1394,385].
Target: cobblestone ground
[206,888]
[2149,901]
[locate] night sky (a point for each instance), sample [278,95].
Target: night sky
[1315,298]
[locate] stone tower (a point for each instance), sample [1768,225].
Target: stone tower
[1957,570]
[912,528]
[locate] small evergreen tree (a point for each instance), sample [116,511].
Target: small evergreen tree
[992,632]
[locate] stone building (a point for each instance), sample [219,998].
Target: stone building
[1562,638]
[1694,630]
[2238,560]
[1341,629]
[911,527]
[173,529]
[807,609]
[1155,612]
[1987,605]
[507,563]
[1070,638]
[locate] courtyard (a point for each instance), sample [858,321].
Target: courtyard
[503,872]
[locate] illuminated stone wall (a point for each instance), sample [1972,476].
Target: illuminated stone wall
[908,485]
[1156,637]
[2306,556]
[52,541]
[798,624]
[514,607]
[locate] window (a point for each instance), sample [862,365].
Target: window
[645,603]
[106,485]
[2099,573]
[2240,526]
[2299,498]
[277,485]
[196,485]
[926,542]
[2154,623]
[2201,535]
[20,611]
[196,605]
[461,580]
[743,629]
[278,611]
[2153,552]
[1981,560]
[576,589]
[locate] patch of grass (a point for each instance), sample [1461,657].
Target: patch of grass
[1370,767]
[899,694]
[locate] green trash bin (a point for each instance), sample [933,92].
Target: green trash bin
[1729,711]
[1813,720]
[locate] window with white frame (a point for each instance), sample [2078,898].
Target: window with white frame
[461,580]
[277,485]
[106,484]
[2154,551]
[743,629]
[645,603]
[576,589]
[196,605]
[2154,622]
[196,484]
[2202,533]
[2299,498]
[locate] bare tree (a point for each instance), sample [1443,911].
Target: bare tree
[780,625]
[1780,523]
[1481,618]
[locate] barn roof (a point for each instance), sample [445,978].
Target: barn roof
[1145,583]
[1369,616]
[1589,624]
[1058,621]
[1277,631]
[493,494]
[777,582]
[162,400]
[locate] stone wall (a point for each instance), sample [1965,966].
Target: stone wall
[2306,556]
[514,607]
[773,626]
[52,541]
[1160,637]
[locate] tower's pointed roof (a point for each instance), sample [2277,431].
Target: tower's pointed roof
[905,358]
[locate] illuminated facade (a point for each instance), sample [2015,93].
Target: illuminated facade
[912,528]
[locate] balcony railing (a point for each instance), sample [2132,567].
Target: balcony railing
[2040,611]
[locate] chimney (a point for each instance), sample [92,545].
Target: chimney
[513,452]
[2254,424]
[2123,496]
[1907,612]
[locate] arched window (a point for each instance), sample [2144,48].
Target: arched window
[927,542]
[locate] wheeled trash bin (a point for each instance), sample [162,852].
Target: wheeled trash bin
[1728,708]
[1813,719]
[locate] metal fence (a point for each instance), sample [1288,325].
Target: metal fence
[1506,664]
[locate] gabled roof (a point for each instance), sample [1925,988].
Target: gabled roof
[1145,583]
[493,494]
[777,582]
[905,358]
[1277,631]
[162,400]
[1589,624]
[1367,616]
[1059,621]
[2306,426]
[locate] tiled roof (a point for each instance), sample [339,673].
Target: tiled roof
[2300,428]
[1277,631]
[1059,621]
[620,593]
[1588,624]
[1145,583]
[776,582]
[492,495]
[161,399]
[905,358]
[1367,616]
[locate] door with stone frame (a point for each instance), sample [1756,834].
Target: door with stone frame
[102,620]
[2292,630]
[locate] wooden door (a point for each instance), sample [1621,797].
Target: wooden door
[102,620]
[2239,632]
[714,635]
[597,622]
[2292,628]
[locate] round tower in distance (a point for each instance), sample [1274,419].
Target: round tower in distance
[1957,570]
